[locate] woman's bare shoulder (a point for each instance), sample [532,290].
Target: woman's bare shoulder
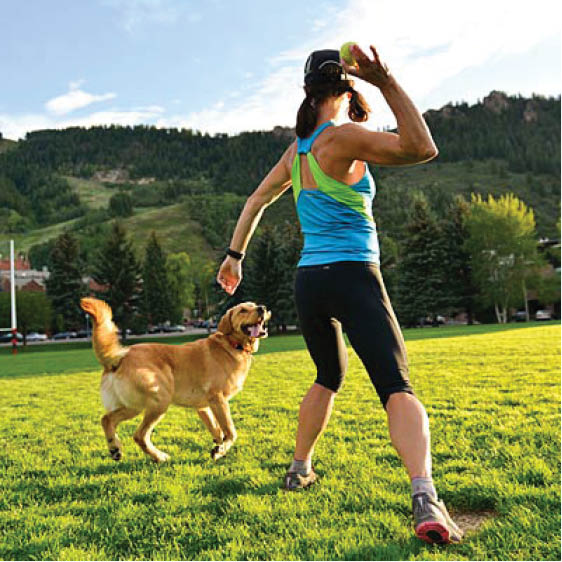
[290,153]
[347,129]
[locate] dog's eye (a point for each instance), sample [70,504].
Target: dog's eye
[245,310]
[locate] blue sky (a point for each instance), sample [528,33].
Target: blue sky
[230,66]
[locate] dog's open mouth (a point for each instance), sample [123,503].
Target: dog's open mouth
[258,330]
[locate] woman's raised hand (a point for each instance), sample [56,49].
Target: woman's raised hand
[373,71]
[230,275]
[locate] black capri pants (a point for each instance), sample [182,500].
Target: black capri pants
[351,295]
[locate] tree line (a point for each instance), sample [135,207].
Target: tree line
[522,133]
[478,257]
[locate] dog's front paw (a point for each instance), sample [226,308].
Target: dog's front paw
[218,451]
[161,457]
[115,454]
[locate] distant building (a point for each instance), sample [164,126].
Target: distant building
[20,264]
[26,279]
[94,287]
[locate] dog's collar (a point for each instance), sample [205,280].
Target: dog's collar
[239,346]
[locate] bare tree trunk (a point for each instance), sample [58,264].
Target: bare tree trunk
[497,310]
[505,311]
[527,317]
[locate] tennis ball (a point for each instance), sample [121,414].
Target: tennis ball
[346,54]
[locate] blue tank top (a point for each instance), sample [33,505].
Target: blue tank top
[336,219]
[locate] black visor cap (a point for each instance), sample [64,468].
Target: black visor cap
[324,66]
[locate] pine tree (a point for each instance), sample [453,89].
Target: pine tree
[157,302]
[458,281]
[64,286]
[118,271]
[421,289]
[265,272]
[121,205]
[290,241]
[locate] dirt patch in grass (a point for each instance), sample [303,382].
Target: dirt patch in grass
[470,521]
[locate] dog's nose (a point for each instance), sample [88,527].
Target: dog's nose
[261,309]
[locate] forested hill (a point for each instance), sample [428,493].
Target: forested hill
[515,135]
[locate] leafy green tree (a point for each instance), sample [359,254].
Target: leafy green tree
[121,205]
[421,289]
[548,288]
[33,312]
[181,286]
[117,270]
[205,295]
[157,300]
[39,255]
[503,251]
[65,286]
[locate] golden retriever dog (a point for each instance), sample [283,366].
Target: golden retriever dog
[148,377]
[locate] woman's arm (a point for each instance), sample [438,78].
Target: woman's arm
[411,145]
[270,189]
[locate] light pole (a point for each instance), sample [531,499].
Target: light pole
[87,326]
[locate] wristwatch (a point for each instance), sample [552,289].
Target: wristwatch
[234,254]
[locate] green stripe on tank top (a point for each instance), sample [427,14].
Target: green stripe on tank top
[296,178]
[339,191]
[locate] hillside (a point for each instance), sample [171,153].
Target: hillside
[6,144]
[189,187]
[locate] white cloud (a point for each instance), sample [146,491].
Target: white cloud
[438,51]
[136,13]
[425,45]
[15,127]
[74,99]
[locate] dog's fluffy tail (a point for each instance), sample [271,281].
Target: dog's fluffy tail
[105,338]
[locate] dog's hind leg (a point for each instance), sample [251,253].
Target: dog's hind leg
[142,434]
[221,411]
[211,424]
[109,423]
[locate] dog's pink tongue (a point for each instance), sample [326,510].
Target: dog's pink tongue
[255,330]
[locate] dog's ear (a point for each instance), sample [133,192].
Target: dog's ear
[225,324]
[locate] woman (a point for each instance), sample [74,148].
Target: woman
[338,280]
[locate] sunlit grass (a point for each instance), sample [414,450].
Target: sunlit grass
[494,405]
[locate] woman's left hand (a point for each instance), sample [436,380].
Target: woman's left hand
[230,274]
[373,71]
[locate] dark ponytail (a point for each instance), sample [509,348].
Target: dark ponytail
[307,114]
[307,117]
[359,109]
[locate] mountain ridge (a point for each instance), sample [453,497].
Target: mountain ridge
[502,143]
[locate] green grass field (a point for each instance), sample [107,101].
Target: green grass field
[176,231]
[493,398]
[94,194]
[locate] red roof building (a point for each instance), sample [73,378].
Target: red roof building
[20,264]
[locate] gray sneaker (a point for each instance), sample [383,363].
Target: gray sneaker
[432,522]
[296,481]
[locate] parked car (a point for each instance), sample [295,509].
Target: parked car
[519,316]
[84,334]
[35,336]
[65,335]
[175,328]
[6,337]
[543,315]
